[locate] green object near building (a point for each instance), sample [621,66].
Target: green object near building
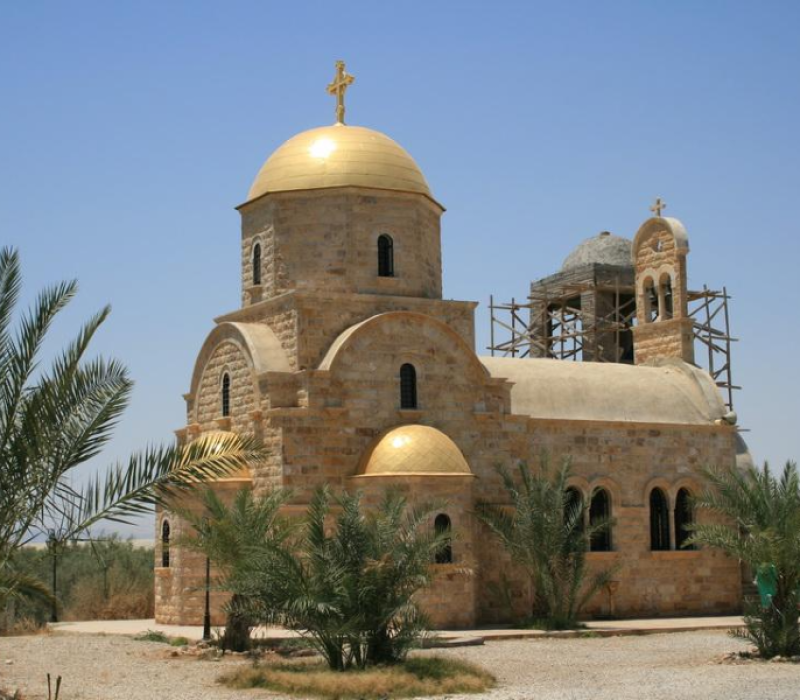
[767,583]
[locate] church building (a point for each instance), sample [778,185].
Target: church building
[350,367]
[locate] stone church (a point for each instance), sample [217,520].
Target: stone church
[345,360]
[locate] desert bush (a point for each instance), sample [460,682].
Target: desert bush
[233,537]
[349,585]
[547,534]
[760,526]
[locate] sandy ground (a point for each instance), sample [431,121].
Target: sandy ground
[661,666]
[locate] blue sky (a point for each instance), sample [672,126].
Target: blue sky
[131,130]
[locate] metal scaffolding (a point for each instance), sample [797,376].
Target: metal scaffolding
[556,326]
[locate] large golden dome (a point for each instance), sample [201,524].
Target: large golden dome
[339,156]
[414,449]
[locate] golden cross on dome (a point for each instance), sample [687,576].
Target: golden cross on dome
[658,207]
[340,83]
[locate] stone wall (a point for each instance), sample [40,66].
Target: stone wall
[326,240]
[307,323]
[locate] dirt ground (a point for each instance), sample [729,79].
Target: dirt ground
[662,666]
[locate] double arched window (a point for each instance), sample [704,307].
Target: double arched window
[165,543]
[600,512]
[658,299]
[408,386]
[385,256]
[257,264]
[684,516]
[443,528]
[659,521]
[226,395]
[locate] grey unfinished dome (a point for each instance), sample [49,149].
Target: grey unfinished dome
[603,249]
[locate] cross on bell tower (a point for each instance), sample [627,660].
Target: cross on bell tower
[658,206]
[338,87]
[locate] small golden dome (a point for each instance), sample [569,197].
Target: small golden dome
[414,449]
[339,156]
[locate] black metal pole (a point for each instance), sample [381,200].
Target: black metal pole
[207,613]
[54,610]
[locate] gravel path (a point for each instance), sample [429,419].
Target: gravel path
[656,667]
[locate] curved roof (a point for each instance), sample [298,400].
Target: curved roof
[348,336]
[414,449]
[604,249]
[259,341]
[671,392]
[339,156]
[674,226]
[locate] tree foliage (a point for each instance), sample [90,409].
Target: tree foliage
[349,585]
[54,418]
[547,534]
[234,537]
[760,525]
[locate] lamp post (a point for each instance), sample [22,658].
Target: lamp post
[207,612]
[52,544]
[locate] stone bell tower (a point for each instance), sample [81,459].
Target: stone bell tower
[664,327]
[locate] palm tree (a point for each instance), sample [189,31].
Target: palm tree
[53,419]
[233,538]
[760,525]
[350,589]
[545,532]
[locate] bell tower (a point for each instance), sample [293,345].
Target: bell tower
[664,327]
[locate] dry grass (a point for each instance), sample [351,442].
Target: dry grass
[417,676]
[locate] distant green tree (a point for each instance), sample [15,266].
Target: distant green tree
[348,584]
[233,538]
[546,533]
[760,526]
[53,419]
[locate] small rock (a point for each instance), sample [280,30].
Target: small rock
[9,662]
[174,653]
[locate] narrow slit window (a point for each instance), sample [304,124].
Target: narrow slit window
[443,528]
[226,395]
[659,521]
[257,264]
[600,512]
[385,256]
[408,386]
[165,544]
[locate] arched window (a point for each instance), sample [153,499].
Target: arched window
[573,506]
[165,544]
[257,264]
[385,256]
[684,515]
[442,526]
[659,521]
[600,512]
[226,395]
[408,386]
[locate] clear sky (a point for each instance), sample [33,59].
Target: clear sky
[131,130]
